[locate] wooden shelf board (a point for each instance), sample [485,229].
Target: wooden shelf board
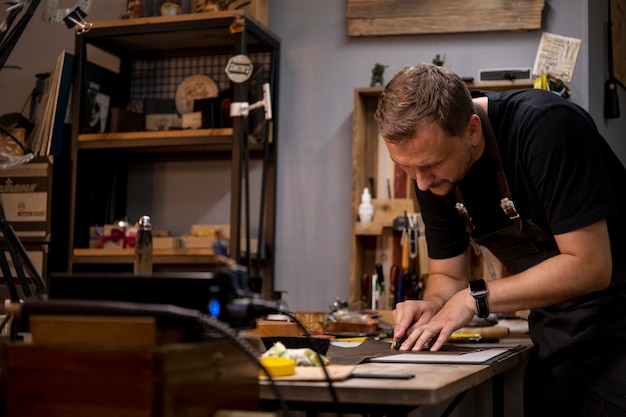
[501,85]
[368,229]
[498,85]
[152,20]
[146,35]
[161,256]
[209,138]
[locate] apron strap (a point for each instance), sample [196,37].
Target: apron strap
[491,147]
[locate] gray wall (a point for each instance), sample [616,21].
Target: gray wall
[320,68]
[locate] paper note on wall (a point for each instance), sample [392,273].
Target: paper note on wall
[557,56]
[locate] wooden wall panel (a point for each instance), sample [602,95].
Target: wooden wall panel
[406,17]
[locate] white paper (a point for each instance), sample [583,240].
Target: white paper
[556,56]
[473,357]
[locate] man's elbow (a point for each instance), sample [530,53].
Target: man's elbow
[603,271]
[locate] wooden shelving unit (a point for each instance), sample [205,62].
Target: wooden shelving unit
[98,157]
[370,239]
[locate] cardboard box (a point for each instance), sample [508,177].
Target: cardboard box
[25,191]
[210,229]
[198,242]
[158,122]
[203,235]
[169,242]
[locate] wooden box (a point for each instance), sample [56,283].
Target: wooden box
[172,380]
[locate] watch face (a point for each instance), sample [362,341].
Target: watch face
[478,286]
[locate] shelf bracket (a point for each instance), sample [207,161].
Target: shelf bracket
[242,109]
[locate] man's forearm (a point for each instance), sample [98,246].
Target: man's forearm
[439,288]
[446,278]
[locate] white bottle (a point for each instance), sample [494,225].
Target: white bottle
[366,209]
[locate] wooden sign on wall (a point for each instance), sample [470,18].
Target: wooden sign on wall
[410,17]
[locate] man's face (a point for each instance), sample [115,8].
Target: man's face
[434,159]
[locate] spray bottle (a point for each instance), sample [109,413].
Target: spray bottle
[366,209]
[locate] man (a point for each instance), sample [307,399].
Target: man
[526,174]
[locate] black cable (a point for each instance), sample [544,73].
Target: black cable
[8,276]
[261,235]
[257,308]
[209,322]
[315,347]
[18,255]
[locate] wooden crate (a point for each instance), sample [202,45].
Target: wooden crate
[173,380]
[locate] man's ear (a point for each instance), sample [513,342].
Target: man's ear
[475,129]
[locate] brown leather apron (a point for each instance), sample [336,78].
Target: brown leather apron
[569,375]
[522,245]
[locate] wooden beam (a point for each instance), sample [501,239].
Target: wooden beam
[410,17]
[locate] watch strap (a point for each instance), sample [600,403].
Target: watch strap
[478,290]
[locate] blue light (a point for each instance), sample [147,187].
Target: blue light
[214,307]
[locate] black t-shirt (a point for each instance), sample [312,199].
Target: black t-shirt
[562,176]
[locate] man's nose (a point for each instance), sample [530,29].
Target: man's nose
[423,178]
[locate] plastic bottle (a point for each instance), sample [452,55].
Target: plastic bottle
[366,209]
[143,247]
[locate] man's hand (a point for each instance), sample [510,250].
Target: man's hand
[410,314]
[445,296]
[422,322]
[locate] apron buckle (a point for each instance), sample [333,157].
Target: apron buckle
[509,208]
[460,207]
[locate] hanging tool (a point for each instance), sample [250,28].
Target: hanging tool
[394,277]
[414,288]
[380,286]
[611,101]
[412,231]
[366,282]
[405,245]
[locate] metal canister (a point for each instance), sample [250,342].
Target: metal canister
[143,247]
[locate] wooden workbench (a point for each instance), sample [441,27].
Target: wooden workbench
[434,384]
